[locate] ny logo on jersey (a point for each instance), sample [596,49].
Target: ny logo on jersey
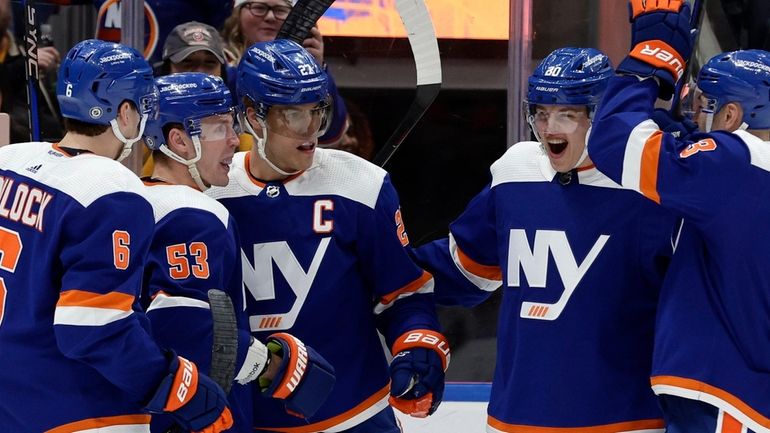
[534,263]
[260,282]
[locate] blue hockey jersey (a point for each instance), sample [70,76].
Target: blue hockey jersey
[194,249]
[76,350]
[324,259]
[711,341]
[580,261]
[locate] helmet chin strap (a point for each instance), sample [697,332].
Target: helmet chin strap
[261,144]
[192,167]
[584,155]
[128,143]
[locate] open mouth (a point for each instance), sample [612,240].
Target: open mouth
[557,147]
[306,147]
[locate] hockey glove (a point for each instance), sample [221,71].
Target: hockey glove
[420,358]
[304,378]
[194,401]
[661,40]
[678,128]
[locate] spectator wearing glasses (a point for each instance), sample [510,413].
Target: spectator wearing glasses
[259,21]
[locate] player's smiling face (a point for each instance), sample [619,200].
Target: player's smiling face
[562,130]
[219,141]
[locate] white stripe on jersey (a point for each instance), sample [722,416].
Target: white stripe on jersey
[632,160]
[88,316]
[480,282]
[164,301]
[759,150]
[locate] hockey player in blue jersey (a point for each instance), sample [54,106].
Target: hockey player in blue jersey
[711,363]
[580,262]
[74,233]
[324,253]
[195,246]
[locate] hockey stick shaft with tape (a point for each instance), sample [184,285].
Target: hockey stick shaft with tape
[422,39]
[31,37]
[303,16]
[696,22]
[224,348]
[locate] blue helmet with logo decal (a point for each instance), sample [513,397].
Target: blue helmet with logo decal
[96,76]
[279,72]
[742,77]
[569,76]
[186,98]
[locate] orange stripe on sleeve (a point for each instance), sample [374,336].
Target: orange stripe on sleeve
[80,298]
[331,422]
[476,268]
[101,422]
[646,424]
[648,182]
[698,386]
[411,287]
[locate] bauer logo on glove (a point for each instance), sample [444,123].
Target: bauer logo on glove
[420,358]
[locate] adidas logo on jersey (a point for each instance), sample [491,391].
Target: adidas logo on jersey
[34,168]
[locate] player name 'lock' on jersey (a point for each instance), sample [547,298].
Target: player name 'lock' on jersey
[27,205]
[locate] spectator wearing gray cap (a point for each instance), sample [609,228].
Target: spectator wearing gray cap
[193,47]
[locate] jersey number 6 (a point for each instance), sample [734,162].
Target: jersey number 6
[10,248]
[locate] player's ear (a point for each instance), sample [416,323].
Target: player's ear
[251,117]
[127,114]
[177,143]
[733,116]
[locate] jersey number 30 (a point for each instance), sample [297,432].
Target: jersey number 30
[10,248]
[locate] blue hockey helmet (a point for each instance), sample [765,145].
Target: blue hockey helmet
[569,76]
[279,72]
[95,77]
[186,98]
[742,77]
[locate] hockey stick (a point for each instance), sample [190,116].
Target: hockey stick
[225,342]
[32,71]
[302,18]
[224,347]
[422,38]
[696,20]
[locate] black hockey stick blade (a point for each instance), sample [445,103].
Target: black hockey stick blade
[696,22]
[225,345]
[422,39]
[303,16]
[31,37]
